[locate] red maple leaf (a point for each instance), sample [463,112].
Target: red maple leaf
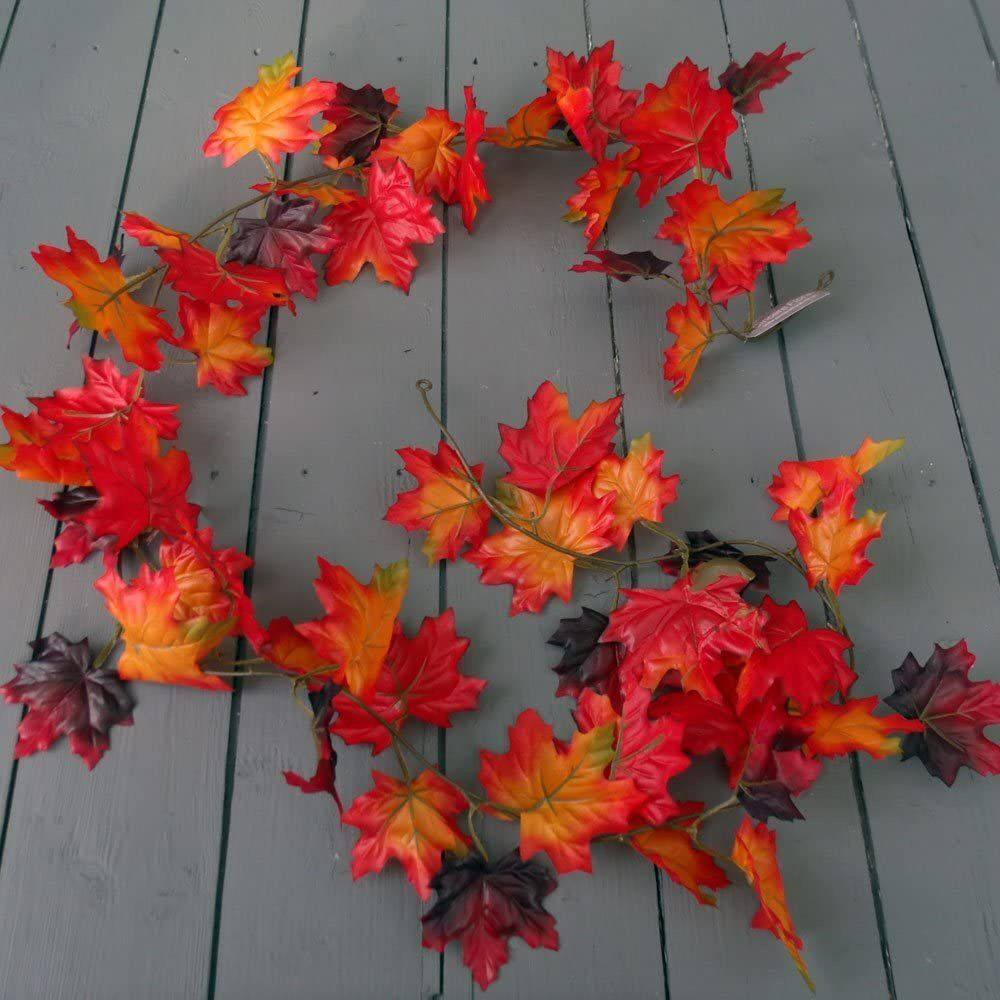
[419,679]
[686,123]
[381,228]
[471,184]
[553,449]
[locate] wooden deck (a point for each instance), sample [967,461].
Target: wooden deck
[184,866]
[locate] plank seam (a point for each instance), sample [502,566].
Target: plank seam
[233,726]
[918,261]
[9,28]
[987,41]
[126,175]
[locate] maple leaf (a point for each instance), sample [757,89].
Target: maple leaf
[553,449]
[284,240]
[690,323]
[426,148]
[953,710]
[640,489]
[730,243]
[148,233]
[806,664]
[39,450]
[107,400]
[839,729]
[283,644]
[706,547]
[99,301]
[572,519]
[444,503]
[587,663]
[324,778]
[686,630]
[359,118]
[755,852]
[74,543]
[623,266]
[599,189]
[321,192]
[222,340]
[804,485]
[646,750]
[413,822]
[529,125]
[381,227]
[355,634]
[760,72]
[271,117]
[589,95]
[561,792]
[674,851]
[482,904]
[471,184]
[682,125]
[197,272]
[419,680]
[67,696]
[140,489]
[707,725]
[161,644]
[833,543]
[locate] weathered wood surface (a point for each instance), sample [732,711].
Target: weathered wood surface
[184,866]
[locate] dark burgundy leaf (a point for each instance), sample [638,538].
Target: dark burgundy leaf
[68,504]
[66,696]
[586,662]
[482,904]
[760,72]
[324,779]
[624,266]
[764,800]
[360,117]
[954,710]
[74,543]
[758,565]
[283,239]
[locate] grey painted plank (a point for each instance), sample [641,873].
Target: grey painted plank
[516,317]
[726,437]
[867,363]
[59,94]
[115,872]
[341,401]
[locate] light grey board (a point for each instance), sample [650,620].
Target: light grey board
[8,10]
[68,116]
[726,437]
[516,317]
[949,189]
[869,365]
[115,872]
[293,921]
[989,12]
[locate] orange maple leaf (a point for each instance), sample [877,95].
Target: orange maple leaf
[674,851]
[640,489]
[560,793]
[148,233]
[833,543]
[271,117]
[381,227]
[690,323]
[355,634]
[835,730]
[285,646]
[529,125]
[322,192]
[99,302]
[803,485]
[413,822]
[573,518]
[164,641]
[730,243]
[40,450]
[471,183]
[426,148]
[444,503]
[755,852]
[222,339]
[599,189]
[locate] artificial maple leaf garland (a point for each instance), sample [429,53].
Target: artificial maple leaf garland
[690,669]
